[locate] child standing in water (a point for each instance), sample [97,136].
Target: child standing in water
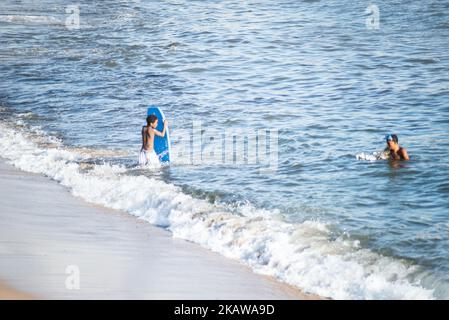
[147,154]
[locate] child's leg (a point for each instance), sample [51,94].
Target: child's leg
[143,158]
[153,160]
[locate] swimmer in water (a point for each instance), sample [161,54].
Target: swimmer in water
[393,150]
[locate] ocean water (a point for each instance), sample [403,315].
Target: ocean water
[330,220]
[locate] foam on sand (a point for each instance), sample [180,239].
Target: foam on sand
[303,254]
[48,238]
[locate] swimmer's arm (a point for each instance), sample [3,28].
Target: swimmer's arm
[405,154]
[161,134]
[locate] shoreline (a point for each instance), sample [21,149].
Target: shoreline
[46,231]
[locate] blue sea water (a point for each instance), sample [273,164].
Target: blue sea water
[313,70]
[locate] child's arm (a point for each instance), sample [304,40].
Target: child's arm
[161,134]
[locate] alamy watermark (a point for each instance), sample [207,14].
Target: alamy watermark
[72,282]
[439,231]
[230,146]
[72,22]
[372,22]
[72,19]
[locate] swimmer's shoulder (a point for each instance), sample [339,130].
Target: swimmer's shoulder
[403,153]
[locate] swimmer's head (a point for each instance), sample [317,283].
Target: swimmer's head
[391,140]
[152,121]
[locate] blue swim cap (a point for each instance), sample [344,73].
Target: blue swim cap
[392,137]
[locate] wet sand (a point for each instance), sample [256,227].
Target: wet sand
[47,236]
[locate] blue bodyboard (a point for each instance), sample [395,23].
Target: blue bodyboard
[161,144]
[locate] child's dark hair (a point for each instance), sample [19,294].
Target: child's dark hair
[151,118]
[395,138]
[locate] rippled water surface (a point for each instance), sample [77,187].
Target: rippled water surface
[311,69]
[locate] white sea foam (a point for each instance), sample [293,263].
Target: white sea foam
[30,19]
[300,254]
[375,156]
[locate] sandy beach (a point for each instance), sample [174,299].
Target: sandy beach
[46,233]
